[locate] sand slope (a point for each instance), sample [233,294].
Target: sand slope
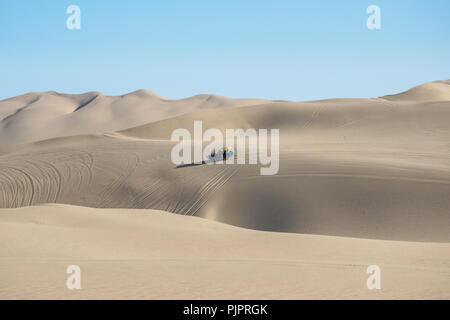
[366,168]
[355,192]
[433,91]
[43,115]
[350,170]
[139,254]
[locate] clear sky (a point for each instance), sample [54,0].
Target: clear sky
[277,49]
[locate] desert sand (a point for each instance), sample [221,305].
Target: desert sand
[43,115]
[361,182]
[157,255]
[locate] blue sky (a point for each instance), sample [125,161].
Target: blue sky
[296,50]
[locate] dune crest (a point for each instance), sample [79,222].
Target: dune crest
[45,115]
[366,168]
[360,182]
[433,91]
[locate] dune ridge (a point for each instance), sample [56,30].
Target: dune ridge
[44,115]
[432,91]
[87,180]
[366,168]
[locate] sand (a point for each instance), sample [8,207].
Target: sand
[361,182]
[43,115]
[149,254]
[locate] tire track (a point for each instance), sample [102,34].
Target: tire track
[213,185]
[312,117]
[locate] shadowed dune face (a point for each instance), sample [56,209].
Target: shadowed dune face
[370,168]
[350,171]
[346,204]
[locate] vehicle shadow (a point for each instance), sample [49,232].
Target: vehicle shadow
[194,164]
[191,164]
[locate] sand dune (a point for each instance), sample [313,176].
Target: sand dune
[433,91]
[362,169]
[358,193]
[44,115]
[141,254]
[349,167]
